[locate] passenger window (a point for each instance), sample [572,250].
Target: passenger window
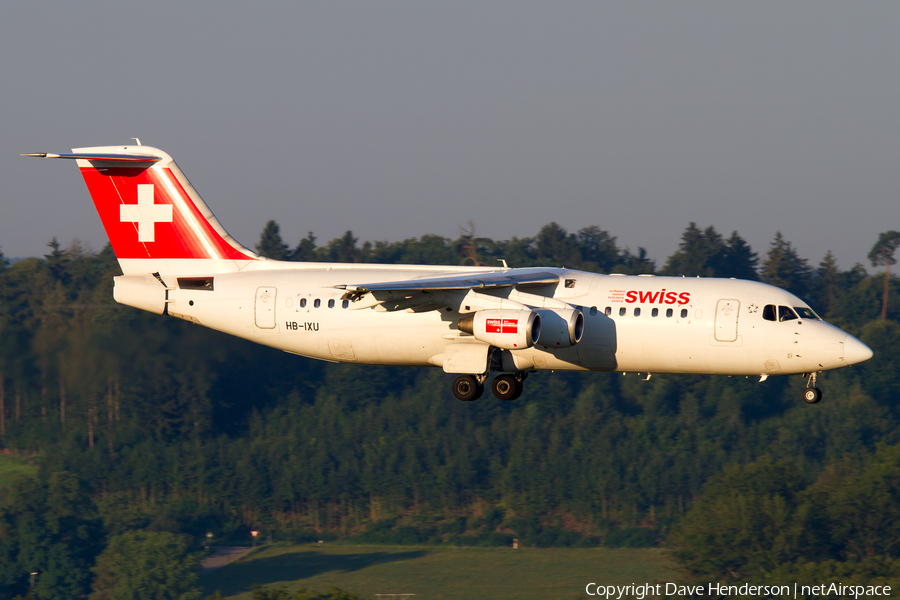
[331,303]
[622,311]
[684,313]
[593,310]
[786,314]
[345,304]
[317,303]
[669,313]
[608,311]
[637,312]
[654,312]
[302,302]
[769,312]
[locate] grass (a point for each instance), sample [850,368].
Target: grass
[11,466]
[440,573]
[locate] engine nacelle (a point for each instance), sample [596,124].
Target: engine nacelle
[507,329]
[560,327]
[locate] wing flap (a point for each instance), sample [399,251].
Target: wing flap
[477,281]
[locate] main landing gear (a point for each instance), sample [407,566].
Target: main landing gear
[505,386]
[468,387]
[812,394]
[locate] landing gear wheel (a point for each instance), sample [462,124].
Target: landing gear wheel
[467,388]
[520,387]
[506,387]
[520,377]
[812,395]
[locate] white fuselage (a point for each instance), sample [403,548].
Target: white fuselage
[699,325]
[176,258]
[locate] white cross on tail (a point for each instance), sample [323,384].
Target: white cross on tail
[145,213]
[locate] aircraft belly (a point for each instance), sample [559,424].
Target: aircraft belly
[598,356]
[673,356]
[561,359]
[408,338]
[630,355]
[732,360]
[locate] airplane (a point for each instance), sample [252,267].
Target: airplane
[178,260]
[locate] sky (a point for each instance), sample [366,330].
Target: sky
[399,119]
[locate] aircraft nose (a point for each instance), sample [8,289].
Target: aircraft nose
[855,351]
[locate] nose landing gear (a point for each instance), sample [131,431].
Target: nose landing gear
[812,394]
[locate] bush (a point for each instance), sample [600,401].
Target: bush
[146,565]
[631,537]
[334,593]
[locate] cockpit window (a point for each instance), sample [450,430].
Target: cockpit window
[786,314]
[806,313]
[769,313]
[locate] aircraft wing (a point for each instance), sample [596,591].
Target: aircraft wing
[467,281]
[430,293]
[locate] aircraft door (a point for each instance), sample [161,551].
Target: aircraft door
[727,312]
[264,307]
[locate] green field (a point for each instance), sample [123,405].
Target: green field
[11,466]
[440,573]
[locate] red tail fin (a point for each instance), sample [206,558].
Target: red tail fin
[153,217]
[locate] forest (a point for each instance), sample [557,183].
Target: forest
[131,430]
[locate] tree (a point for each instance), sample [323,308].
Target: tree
[554,246]
[305,250]
[49,526]
[636,264]
[343,249]
[858,506]
[882,253]
[598,247]
[145,565]
[270,243]
[784,268]
[828,288]
[738,259]
[747,522]
[698,253]
[706,254]
[57,261]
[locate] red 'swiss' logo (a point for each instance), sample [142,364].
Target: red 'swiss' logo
[660,297]
[501,325]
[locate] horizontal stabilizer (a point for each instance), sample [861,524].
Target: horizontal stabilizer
[141,158]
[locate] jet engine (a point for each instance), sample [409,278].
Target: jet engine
[507,329]
[560,327]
